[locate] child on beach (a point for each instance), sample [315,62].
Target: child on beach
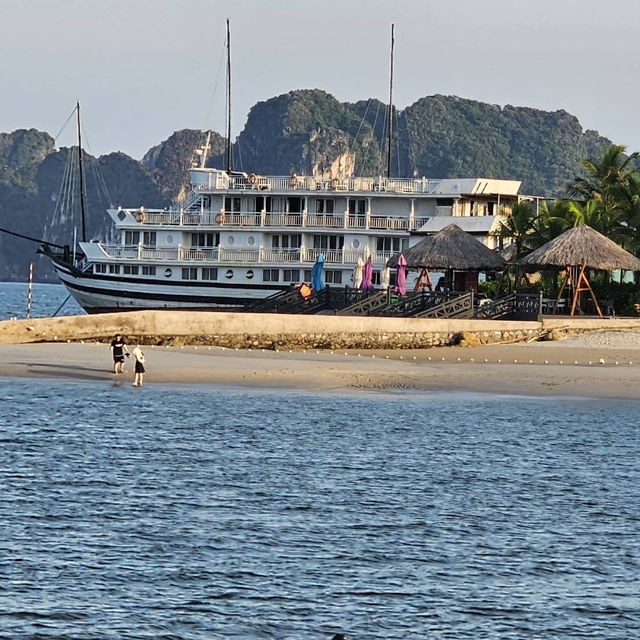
[139,370]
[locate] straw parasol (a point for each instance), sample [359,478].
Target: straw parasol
[448,249]
[576,250]
[582,245]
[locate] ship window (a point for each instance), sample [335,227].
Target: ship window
[357,206]
[205,239]
[99,268]
[307,275]
[231,205]
[294,205]
[251,241]
[286,241]
[131,237]
[328,242]
[271,275]
[131,269]
[231,241]
[250,274]
[209,273]
[148,271]
[149,238]
[325,205]
[189,273]
[355,243]
[291,275]
[333,277]
[389,244]
[229,273]
[167,273]
[263,204]
[114,268]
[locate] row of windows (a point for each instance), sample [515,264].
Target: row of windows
[292,204]
[128,269]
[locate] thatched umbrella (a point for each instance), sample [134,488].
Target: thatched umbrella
[451,249]
[576,250]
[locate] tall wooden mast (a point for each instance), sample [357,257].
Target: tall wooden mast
[81,173]
[390,124]
[229,159]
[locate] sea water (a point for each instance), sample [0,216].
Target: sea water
[46,300]
[209,512]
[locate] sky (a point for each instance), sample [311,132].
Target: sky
[143,69]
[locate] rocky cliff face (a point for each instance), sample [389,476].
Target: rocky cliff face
[304,132]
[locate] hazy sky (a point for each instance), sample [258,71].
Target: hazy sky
[145,68]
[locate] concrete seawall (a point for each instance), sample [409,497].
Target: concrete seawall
[275,331]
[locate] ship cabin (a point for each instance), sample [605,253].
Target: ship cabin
[245,228]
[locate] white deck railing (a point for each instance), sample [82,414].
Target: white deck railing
[253,220]
[231,255]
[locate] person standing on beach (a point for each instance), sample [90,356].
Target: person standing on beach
[139,371]
[119,348]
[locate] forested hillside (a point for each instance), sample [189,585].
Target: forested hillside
[303,132]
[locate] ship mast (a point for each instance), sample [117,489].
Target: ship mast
[390,127]
[229,159]
[82,209]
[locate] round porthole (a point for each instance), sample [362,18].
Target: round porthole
[251,241]
[231,240]
[167,273]
[249,274]
[169,239]
[355,243]
[229,273]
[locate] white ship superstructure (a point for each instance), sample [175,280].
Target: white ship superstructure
[237,238]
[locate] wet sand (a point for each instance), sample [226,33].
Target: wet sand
[605,366]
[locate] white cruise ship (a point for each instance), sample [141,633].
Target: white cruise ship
[237,238]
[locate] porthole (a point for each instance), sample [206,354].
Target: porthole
[169,239]
[167,273]
[231,240]
[355,243]
[251,241]
[229,273]
[249,274]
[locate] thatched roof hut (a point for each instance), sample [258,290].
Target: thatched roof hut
[450,248]
[579,246]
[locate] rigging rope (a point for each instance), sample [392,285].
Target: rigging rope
[362,121]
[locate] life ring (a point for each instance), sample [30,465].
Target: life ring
[252,179]
[293,180]
[139,215]
[334,183]
[219,218]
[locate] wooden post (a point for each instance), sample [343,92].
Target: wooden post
[30,290]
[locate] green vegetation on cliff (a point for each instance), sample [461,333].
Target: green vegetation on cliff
[304,132]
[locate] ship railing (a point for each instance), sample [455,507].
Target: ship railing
[318,220]
[238,219]
[309,183]
[162,217]
[283,220]
[224,254]
[158,253]
[416,223]
[283,255]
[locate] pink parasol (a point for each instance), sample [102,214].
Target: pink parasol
[367,276]
[401,276]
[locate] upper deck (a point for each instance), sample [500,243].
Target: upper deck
[215,180]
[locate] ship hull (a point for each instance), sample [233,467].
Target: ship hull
[103,294]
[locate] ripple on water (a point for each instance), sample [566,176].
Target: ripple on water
[223,513]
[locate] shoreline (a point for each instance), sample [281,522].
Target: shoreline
[532,369]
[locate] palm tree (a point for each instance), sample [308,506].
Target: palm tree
[608,177]
[518,226]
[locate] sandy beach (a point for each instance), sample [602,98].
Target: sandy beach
[601,365]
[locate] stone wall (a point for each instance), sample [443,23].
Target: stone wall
[274,331]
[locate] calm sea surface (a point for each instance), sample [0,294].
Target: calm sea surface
[210,513]
[46,299]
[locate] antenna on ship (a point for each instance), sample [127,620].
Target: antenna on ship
[81,174]
[228,98]
[390,127]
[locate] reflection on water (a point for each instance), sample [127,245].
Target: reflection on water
[222,513]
